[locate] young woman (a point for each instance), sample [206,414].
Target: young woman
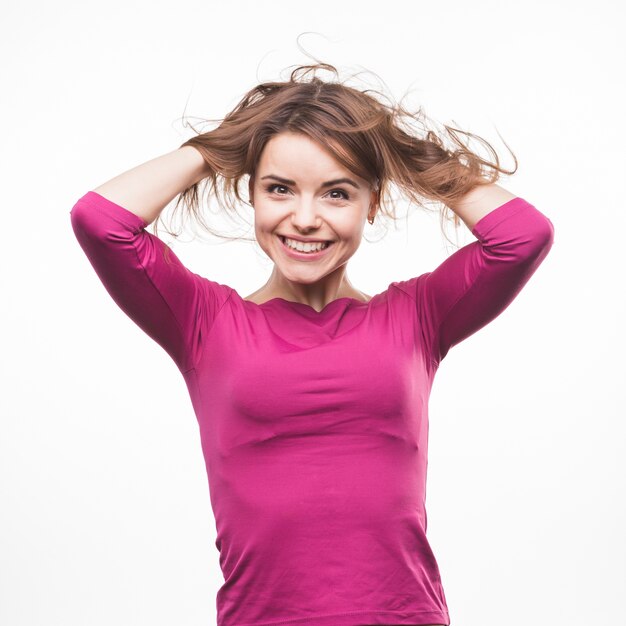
[312,396]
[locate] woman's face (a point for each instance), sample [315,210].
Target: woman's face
[297,194]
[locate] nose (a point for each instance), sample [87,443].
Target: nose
[304,216]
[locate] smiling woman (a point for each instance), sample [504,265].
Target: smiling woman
[320,158]
[310,223]
[311,396]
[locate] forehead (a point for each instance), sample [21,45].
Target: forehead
[297,156]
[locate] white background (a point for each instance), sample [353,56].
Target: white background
[105,512]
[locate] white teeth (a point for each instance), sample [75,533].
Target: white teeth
[305,247]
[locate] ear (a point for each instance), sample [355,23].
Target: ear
[250,188]
[374,200]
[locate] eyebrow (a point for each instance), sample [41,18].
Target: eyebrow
[328,183]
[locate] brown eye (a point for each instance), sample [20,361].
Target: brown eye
[346,196]
[271,188]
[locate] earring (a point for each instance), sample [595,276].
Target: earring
[370,219]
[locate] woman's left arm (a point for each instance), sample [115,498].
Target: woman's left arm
[476,283]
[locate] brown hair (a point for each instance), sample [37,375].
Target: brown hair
[375,140]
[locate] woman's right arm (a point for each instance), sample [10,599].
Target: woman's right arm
[147,189]
[173,305]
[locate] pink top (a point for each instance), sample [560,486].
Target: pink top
[314,425]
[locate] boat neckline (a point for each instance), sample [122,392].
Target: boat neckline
[303,305]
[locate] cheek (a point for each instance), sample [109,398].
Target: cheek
[350,232]
[262,226]
[265,234]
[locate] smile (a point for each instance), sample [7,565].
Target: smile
[301,254]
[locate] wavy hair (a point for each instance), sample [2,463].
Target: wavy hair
[381,142]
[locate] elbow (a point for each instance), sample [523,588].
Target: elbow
[537,238]
[547,231]
[96,222]
[529,244]
[81,219]
[538,243]
[543,236]
[87,225]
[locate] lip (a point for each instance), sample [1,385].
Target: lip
[303,240]
[303,256]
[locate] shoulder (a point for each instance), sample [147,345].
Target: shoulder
[217,293]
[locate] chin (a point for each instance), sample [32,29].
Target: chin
[303,275]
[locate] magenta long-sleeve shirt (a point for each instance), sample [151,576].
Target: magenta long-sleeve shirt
[314,425]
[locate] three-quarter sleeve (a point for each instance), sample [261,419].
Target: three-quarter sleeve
[172,304]
[479,281]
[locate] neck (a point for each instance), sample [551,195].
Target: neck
[320,293]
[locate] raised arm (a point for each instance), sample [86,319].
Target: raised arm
[479,281]
[173,305]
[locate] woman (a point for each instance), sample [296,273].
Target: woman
[311,396]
